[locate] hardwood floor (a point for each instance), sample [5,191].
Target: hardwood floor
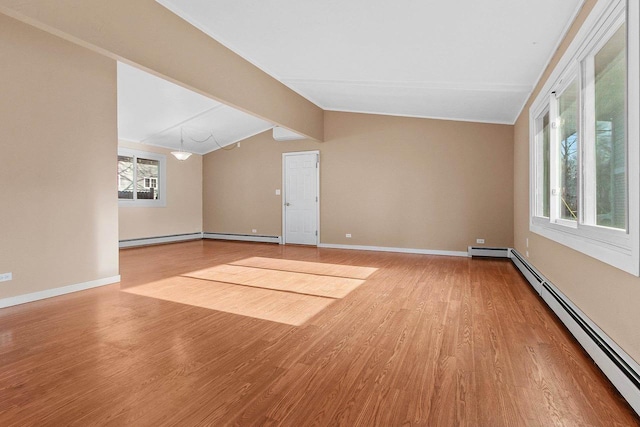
[425,340]
[267,304]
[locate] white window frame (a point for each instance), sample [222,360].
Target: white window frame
[538,123]
[619,248]
[555,205]
[161,201]
[153,183]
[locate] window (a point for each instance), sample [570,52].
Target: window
[584,141]
[141,178]
[150,183]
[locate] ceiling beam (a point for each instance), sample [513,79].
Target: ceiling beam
[145,34]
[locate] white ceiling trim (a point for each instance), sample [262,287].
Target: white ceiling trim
[154,111]
[178,125]
[482,87]
[201,152]
[417,116]
[553,52]
[448,101]
[206,149]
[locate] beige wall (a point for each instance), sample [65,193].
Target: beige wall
[183,211]
[145,33]
[607,295]
[58,140]
[389,181]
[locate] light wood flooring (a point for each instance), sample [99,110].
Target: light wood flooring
[425,340]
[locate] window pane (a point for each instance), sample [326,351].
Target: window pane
[568,133]
[147,171]
[610,137]
[543,178]
[545,165]
[125,177]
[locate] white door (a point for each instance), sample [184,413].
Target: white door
[300,212]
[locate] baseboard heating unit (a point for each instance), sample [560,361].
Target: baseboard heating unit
[128,243]
[242,237]
[480,251]
[532,275]
[618,366]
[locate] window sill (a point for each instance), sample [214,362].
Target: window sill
[611,246]
[142,203]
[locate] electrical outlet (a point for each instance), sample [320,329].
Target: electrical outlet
[527,254]
[348,235]
[5,277]
[480,241]
[238,144]
[254,230]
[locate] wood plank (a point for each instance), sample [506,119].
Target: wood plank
[319,268]
[301,283]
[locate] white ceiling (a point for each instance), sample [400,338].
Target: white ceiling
[153,111]
[474,60]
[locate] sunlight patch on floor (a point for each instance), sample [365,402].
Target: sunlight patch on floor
[323,269]
[288,281]
[283,291]
[283,307]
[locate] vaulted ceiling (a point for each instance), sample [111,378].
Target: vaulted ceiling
[470,60]
[473,60]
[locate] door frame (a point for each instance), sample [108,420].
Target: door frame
[284,192]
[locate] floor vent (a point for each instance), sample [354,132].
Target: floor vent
[479,251]
[615,363]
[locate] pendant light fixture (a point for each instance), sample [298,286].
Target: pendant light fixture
[181,155]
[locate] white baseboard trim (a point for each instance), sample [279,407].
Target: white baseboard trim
[399,250]
[622,370]
[129,243]
[49,293]
[242,237]
[615,363]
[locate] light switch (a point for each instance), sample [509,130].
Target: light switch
[278,192]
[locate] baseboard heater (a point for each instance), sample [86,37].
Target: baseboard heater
[480,251]
[615,363]
[532,275]
[242,237]
[128,243]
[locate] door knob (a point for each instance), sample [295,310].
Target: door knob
[287,204]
